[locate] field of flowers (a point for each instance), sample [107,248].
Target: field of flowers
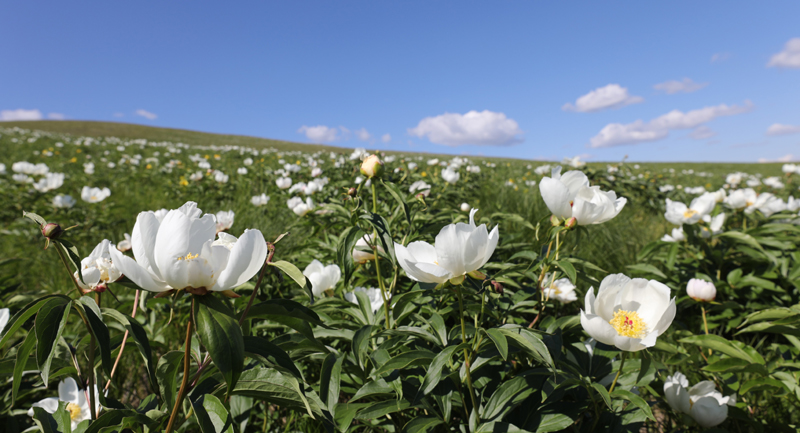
[151,286]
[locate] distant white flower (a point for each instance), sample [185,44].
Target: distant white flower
[63,201]
[49,182]
[767,204]
[283,182]
[678,213]
[316,172]
[2,168]
[88,168]
[741,199]
[473,169]
[792,204]
[248,161]
[322,278]
[542,169]
[26,167]
[412,166]
[374,295]
[124,245]
[420,187]
[224,220]
[434,161]
[574,162]
[790,168]
[666,188]
[450,176]
[358,153]
[259,200]
[465,207]
[94,194]
[77,404]
[196,176]
[220,177]
[702,402]
[735,179]
[561,290]
[98,268]
[300,207]
[677,235]
[362,252]
[241,170]
[22,178]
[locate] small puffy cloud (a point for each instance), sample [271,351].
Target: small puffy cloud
[146,114]
[785,158]
[617,134]
[687,85]
[363,135]
[20,114]
[702,132]
[386,138]
[56,116]
[789,57]
[484,128]
[322,133]
[610,96]
[780,129]
[720,57]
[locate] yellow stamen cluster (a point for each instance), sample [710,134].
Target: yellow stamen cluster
[189,256]
[628,324]
[74,410]
[689,213]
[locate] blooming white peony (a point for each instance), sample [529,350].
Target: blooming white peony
[224,220]
[450,176]
[714,225]
[628,313]
[94,195]
[77,403]
[63,201]
[322,277]
[678,213]
[569,195]
[98,268]
[49,182]
[179,252]
[374,295]
[561,290]
[702,402]
[677,235]
[259,200]
[283,182]
[300,207]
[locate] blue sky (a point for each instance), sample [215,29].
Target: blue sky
[476,78]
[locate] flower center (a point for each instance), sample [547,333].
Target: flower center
[189,256]
[628,324]
[689,213]
[74,411]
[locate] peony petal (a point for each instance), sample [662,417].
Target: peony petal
[139,275]
[172,242]
[475,248]
[598,328]
[422,252]
[50,405]
[143,241]
[246,259]
[666,319]
[588,301]
[450,249]
[648,298]
[610,287]
[68,390]
[628,344]
[313,268]
[494,236]
[574,180]
[431,273]
[707,412]
[556,196]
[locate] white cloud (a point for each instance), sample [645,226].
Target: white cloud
[610,96]
[485,128]
[785,158]
[386,138]
[617,134]
[322,133]
[119,114]
[789,57]
[720,57]
[20,114]
[146,114]
[687,85]
[702,132]
[779,129]
[363,135]
[56,116]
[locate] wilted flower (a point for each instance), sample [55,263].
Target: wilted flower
[628,313]
[561,290]
[374,295]
[322,278]
[94,195]
[459,249]
[224,220]
[702,402]
[77,404]
[701,290]
[180,253]
[63,201]
[283,182]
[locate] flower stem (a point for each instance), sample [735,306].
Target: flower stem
[621,364]
[705,322]
[185,381]
[66,266]
[377,265]
[545,268]
[466,355]
[124,340]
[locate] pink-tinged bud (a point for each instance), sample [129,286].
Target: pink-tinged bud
[351,192]
[555,221]
[372,166]
[52,231]
[701,290]
[570,223]
[498,288]
[100,288]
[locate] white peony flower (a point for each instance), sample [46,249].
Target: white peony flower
[241,170]
[678,213]
[300,207]
[628,313]
[94,195]
[63,201]
[224,220]
[283,182]
[421,186]
[714,225]
[701,290]
[98,268]
[179,252]
[362,252]
[677,235]
[124,245]
[741,199]
[259,200]
[767,204]
[702,402]
[374,295]
[450,176]
[569,195]
[465,207]
[322,277]
[49,182]
[561,290]
[77,403]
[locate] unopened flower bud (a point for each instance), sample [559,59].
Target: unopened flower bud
[498,288]
[351,192]
[52,231]
[701,290]
[570,223]
[465,207]
[100,288]
[372,166]
[555,221]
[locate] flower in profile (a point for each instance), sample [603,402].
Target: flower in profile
[362,252]
[459,249]
[701,290]
[677,235]
[741,199]
[77,403]
[124,245]
[420,186]
[678,213]
[628,313]
[49,182]
[248,161]
[224,220]
[98,269]
[561,290]
[374,295]
[702,402]
[64,201]
[180,252]
[323,278]
[300,207]
[94,195]
[372,166]
[196,176]
[767,204]
[714,225]
[569,195]
[450,176]
[283,182]
[316,172]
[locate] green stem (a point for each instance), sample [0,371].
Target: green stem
[185,380]
[705,322]
[377,265]
[621,364]
[466,355]
[545,268]
[66,266]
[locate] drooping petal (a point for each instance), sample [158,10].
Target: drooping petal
[422,251]
[556,196]
[139,275]
[143,241]
[246,259]
[588,301]
[707,412]
[676,394]
[598,328]
[50,405]
[430,273]
[628,344]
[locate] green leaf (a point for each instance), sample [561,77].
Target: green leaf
[499,340]
[434,374]
[292,271]
[395,193]
[48,326]
[760,384]
[603,393]
[167,372]
[636,400]
[221,335]
[116,417]
[374,387]
[507,396]
[35,218]
[72,255]
[720,344]
[211,415]
[46,421]
[551,422]
[344,252]
[91,312]
[271,355]
[330,377]
[531,343]
[384,235]
[271,386]
[289,313]
[378,409]
[727,364]
[499,427]
[19,319]
[23,352]
[360,344]
[405,359]
[422,424]
[365,305]
[568,269]
[648,269]
[139,335]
